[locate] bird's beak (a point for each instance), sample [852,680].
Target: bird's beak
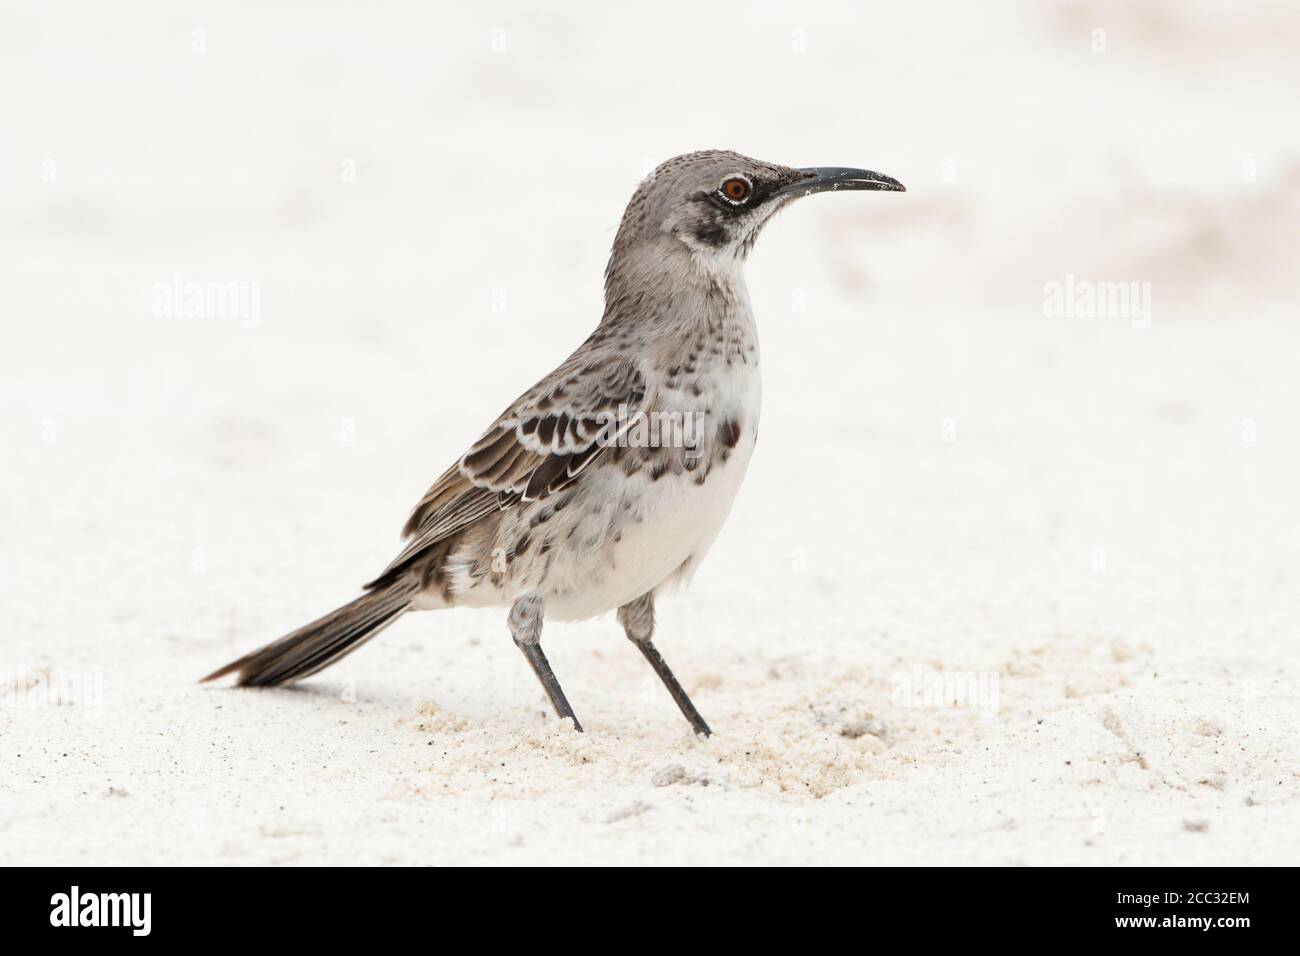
[821,179]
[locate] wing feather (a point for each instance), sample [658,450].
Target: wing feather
[538,446]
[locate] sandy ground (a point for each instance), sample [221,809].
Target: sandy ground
[1001,587]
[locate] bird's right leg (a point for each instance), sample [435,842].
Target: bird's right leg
[526,629]
[638,620]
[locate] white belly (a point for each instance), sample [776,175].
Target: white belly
[670,526]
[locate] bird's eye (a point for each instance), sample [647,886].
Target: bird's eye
[736,189]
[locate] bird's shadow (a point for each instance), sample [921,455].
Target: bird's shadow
[344,693]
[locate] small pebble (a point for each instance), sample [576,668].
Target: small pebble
[669,775]
[631,810]
[860,728]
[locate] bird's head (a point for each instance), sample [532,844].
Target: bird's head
[715,202]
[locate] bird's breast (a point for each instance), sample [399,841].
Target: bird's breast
[654,505]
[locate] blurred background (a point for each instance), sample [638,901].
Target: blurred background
[267,269]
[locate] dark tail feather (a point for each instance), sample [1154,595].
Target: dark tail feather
[322,642]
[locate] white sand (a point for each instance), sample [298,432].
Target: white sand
[1093,523]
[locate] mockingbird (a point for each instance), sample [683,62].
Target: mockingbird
[608,480]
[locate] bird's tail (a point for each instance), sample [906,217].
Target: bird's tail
[323,641]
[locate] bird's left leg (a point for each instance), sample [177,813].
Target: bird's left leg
[526,629]
[638,620]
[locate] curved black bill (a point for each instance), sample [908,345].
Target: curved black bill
[821,179]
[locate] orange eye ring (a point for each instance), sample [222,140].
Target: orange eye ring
[736,189]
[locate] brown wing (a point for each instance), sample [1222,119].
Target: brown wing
[539,445]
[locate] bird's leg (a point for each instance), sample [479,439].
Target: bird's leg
[638,620]
[526,629]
